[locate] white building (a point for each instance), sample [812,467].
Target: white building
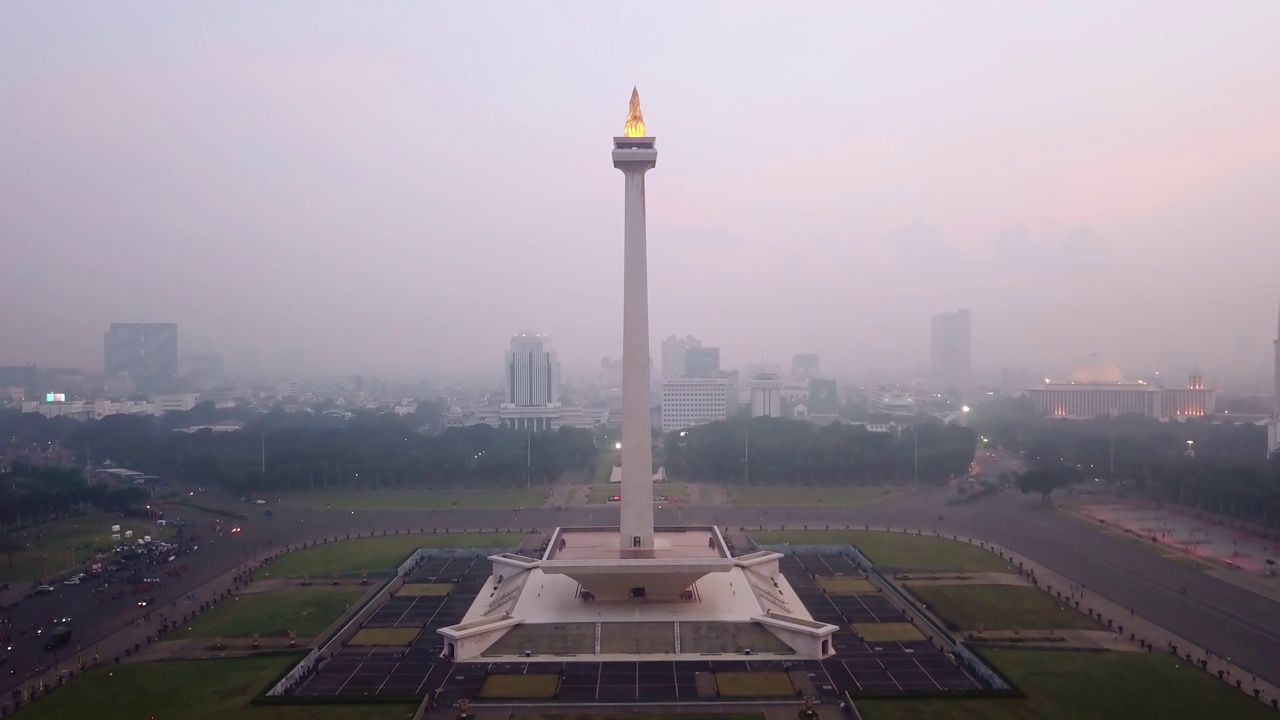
[766,395]
[178,402]
[83,410]
[693,401]
[891,401]
[531,372]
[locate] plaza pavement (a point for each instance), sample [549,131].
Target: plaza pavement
[1214,615]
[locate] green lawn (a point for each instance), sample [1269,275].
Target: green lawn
[192,690]
[606,458]
[61,546]
[273,614]
[416,499]
[1001,607]
[787,495]
[600,494]
[895,550]
[382,554]
[1062,685]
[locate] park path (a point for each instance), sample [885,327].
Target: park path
[1127,626]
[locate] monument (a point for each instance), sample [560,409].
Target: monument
[627,591]
[634,154]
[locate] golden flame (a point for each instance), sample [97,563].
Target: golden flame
[635,119]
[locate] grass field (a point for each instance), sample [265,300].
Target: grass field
[600,494]
[1086,686]
[520,687]
[381,554]
[887,632]
[895,550]
[61,546]
[273,614]
[845,585]
[606,458]
[192,690]
[754,684]
[787,495]
[1001,607]
[424,590]
[384,637]
[416,499]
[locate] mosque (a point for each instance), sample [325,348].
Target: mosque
[1097,387]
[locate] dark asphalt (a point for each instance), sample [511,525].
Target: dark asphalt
[1227,620]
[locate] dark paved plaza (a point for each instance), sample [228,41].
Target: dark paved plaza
[857,667]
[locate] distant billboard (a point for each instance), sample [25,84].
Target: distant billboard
[55,397]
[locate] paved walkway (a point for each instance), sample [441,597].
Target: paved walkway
[1130,627]
[1200,538]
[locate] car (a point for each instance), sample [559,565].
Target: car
[259,502]
[74,580]
[44,589]
[235,529]
[146,601]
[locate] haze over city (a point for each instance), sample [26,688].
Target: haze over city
[402,188]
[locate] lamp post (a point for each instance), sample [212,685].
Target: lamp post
[746,454]
[915,441]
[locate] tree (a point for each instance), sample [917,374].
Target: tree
[10,545]
[1045,481]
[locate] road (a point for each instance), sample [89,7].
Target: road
[1228,620]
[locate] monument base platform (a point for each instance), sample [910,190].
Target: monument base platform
[587,596]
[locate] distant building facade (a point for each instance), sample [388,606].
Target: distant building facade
[891,401]
[146,352]
[693,401]
[950,350]
[824,397]
[1096,388]
[673,354]
[703,362]
[532,372]
[766,395]
[805,366]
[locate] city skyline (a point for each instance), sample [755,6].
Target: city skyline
[332,187]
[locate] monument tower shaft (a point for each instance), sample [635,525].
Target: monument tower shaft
[634,154]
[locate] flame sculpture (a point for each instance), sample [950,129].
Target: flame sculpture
[634,126]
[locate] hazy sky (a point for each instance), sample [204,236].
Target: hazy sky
[401,186]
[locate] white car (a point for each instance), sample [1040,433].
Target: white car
[73,581]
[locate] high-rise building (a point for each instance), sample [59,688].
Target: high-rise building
[766,395]
[805,366]
[950,350]
[693,401]
[532,372]
[824,398]
[702,362]
[674,350]
[146,352]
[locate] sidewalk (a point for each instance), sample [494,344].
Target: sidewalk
[1127,626]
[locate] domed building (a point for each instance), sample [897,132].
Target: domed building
[1097,387]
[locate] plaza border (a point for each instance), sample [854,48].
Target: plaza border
[1227,672]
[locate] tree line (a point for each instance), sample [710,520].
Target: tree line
[30,495]
[780,451]
[1209,464]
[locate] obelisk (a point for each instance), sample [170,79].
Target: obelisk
[634,154]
